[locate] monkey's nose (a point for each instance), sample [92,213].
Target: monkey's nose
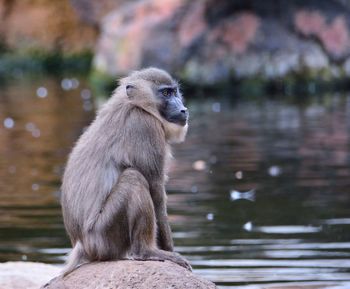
[184,110]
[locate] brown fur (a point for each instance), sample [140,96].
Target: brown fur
[113,196]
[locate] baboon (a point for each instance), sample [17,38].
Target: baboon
[113,195]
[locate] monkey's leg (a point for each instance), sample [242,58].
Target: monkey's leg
[126,225]
[142,221]
[109,234]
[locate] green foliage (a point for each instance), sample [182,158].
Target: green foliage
[102,84]
[33,63]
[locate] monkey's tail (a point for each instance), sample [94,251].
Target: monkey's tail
[75,258]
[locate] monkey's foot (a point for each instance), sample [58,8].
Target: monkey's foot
[149,258]
[161,255]
[178,259]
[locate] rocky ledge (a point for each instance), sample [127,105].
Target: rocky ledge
[26,275]
[127,274]
[131,274]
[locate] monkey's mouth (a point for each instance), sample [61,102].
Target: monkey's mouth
[180,119]
[182,123]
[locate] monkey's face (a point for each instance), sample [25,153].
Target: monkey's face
[171,105]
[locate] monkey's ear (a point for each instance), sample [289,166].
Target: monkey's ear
[129,90]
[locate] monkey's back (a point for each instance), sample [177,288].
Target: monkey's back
[91,170]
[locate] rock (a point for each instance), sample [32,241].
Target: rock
[334,36]
[45,25]
[25,275]
[212,41]
[209,41]
[92,12]
[137,35]
[131,274]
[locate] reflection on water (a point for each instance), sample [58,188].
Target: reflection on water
[258,193]
[46,120]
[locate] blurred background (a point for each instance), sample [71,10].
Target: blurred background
[260,191]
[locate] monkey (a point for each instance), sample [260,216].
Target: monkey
[113,187]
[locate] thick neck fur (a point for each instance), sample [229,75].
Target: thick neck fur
[174,133]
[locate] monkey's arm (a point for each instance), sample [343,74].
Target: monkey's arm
[165,241]
[146,152]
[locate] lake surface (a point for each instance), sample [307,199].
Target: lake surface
[259,192]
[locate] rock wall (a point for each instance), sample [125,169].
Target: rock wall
[214,40]
[44,25]
[208,41]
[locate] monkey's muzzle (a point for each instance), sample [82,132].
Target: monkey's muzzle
[181,118]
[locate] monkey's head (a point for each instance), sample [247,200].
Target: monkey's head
[156,91]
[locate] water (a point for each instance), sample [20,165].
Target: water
[259,193]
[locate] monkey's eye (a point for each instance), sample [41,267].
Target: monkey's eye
[166,91]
